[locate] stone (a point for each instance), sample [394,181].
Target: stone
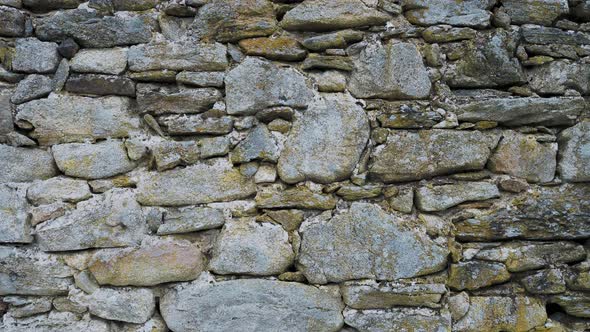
[556,77]
[535,34]
[413,156]
[397,319]
[470,13]
[513,185]
[100,85]
[68,48]
[201,79]
[372,294]
[297,197]
[391,71]
[259,144]
[15,226]
[43,213]
[522,156]
[197,125]
[550,281]
[68,118]
[92,161]
[326,142]
[486,62]
[190,219]
[55,321]
[351,192]
[245,246]
[574,155]
[169,154]
[458,305]
[134,5]
[32,272]
[574,304]
[542,12]
[47,5]
[440,198]
[266,174]
[158,76]
[404,114]
[58,189]
[6,110]
[100,61]
[473,275]
[32,87]
[330,81]
[156,261]
[113,219]
[366,242]
[326,62]
[214,180]
[61,75]
[214,146]
[34,56]
[12,22]
[518,314]
[515,112]
[133,305]
[182,55]
[279,48]
[276,86]
[24,307]
[325,15]
[232,20]
[403,201]
[91,30]
[162,99]
[335,40]
[86,282]
[250,304]
[446,34]
[289,219]
[32,164]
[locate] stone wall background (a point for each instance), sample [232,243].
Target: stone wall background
[285,165]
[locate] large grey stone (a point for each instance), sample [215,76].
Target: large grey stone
[391,71]
[397,319]
[275,86]
[535,34]
[67,118]
[6,109]
[14,220]
[476,274]
[190,219]
[210,181]
[34,56]
[47,5]
[470,13]
[323,15]
[366,242]
[92,161]
[574,153]
[182,55]
[100,61]
[132,305]
[113,219]
[246,246]
[12,22]
[440,198]
[542,12]
[326,141]
[259,144]
[556,77]
[413,156]
[25,164]
[32,87]
[250,304]
[101,85]
[370,294]
[58,189]
[56,321]
[161,99]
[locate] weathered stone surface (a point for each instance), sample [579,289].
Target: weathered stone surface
[470,13]
[522,156]
[47,5]
[352,193]
[32,164]
[161,99]
[524,111]
[113,219]
[12,22]
[54,322]
[550,281]
[197,125]
[440,198]
[133,305]
[201,79]
[6,109]
[332,40]
[232,20]
[446,33]
[297,197]
[323,62]
[34,56]
[89,29]
[27,306]
[31,272]
[398,319]
[245,246]
[322,15]
[14,224]
[259,144]
[535,34]
[156,261]
[556,77]
[100,61]
[375,295]
[63,118]
[275,86]
[32,87]
[180,55]
[475,274]
[58,189]
[413,156]
[279,48]
[134,5]
[326,141]
[190,219]
[366,242]
[169,154]
[100,85]
[575,304]
[210,181]
[250,304]
[330,81]
[542,12]
[92,161]
[391,71]
[574,153]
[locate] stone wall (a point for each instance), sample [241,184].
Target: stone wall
[289,165]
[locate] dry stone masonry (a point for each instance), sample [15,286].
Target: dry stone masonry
[294,165]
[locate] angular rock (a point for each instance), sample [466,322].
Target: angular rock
[132,305]
[68,48]
[522,156]
[353,193]
[64,118]
[31,272]
[250,304]
[535,34]
[32,87]
[197,125]
[574,159]
[470,13]
[34,56]
[12,22]
[134,5]
[259,144]
[413,156]
[210,181]
[330,81]
[161,99]
[574,304]
[279,48]
[440,198]
[169,154]
[100,85]
[332,40]
[374,295]
[398,319]
[100,61]
[297,197]
[56,321]
[48,5]
[366,242]
[324,62]
[326,141]
[201,79]
[32,164]
[542,12]
[14,224]
[179,56]
[556,77]
[26,306]
[190,219]
[550,281]
[92,161]
[392,71]
[6,109]
[156,261]
[58,189]
[473,275]
[275,86]
[325,15]
[113,219]
[446,33]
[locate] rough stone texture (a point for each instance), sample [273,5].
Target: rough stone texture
[58,189]
[14,224]
[298,197]
[374,295]
[100,85]
[12,22]
[398,319]
[542,12]
[100,61]
[556,77]
[33,164]
[161,99]
[280,48]
[32,87]
[443,197]
[574,153]
[132,305]
[471,13]
[474,275]
[257,145]
[177,56]
[190,219]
